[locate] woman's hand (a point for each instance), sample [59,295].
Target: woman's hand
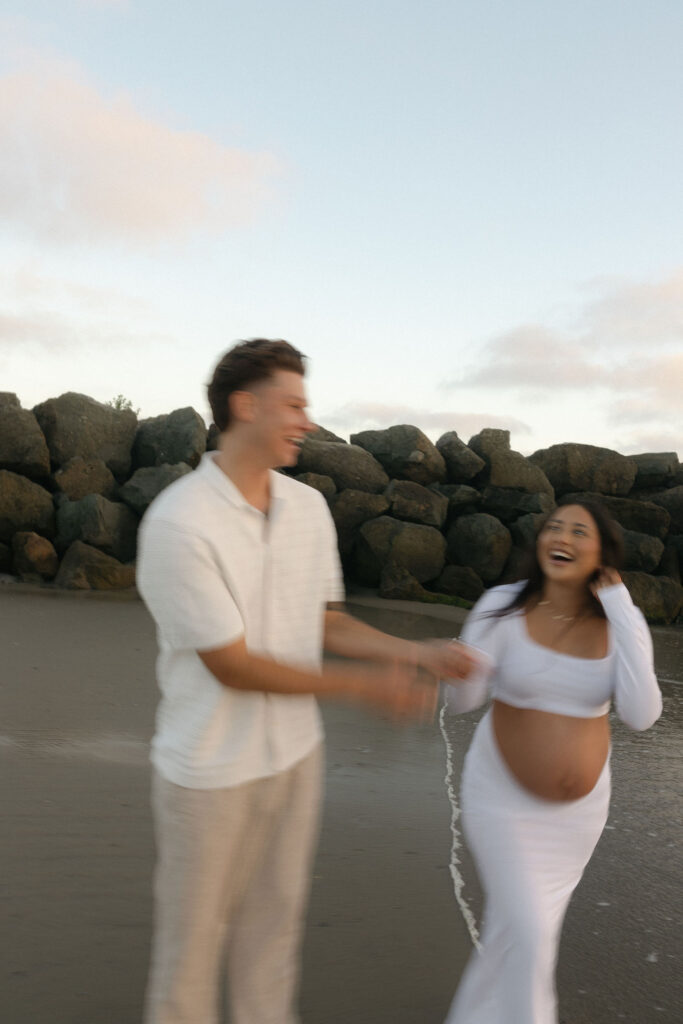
[606,578]
[446,659]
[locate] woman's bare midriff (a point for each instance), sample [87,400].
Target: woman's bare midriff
[556,757]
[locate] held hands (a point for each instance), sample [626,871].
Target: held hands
[606,578]
[446,659]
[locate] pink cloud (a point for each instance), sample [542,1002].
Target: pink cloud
[77,165]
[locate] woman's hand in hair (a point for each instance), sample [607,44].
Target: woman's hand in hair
[606,577]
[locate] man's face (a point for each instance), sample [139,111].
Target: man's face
[280,422]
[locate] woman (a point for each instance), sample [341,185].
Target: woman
[536,782]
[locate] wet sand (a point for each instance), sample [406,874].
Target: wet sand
[386,940]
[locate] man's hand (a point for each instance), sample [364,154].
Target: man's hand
[401,691]
[446,659]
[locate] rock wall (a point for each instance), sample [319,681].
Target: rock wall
[416,520]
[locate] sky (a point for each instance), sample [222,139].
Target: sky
[466,214]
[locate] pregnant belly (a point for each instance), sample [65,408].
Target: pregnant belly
[553,756]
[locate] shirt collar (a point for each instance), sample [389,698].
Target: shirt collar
[225,487]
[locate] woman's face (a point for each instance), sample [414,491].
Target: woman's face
[568,547]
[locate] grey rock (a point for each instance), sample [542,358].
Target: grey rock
[144,485]
[481,542]
[462,464]
[350,509]
[5,553]
[659,598]
[179,436]
[212,436]
[321,434]
[324,484]
[655,469]
[404,452]
[641,516]
[460,581]
[98,522]
[672,559]
[517,565]
[34,557]
[85,568]
[642,553]
[462,499]
[672,501]
[525,530]
[398,584]
[347,464]
[80,477]
[24,505]
[416,504]
[585,467]
[23,448]
[74,424]
[505,467]
[509,503]
[419,549]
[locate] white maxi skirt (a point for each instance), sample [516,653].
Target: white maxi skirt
[530,854]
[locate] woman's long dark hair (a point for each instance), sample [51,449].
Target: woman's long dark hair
[611,557]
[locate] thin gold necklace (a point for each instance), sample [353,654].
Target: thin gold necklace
[551,611]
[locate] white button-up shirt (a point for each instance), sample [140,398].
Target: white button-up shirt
[211,569]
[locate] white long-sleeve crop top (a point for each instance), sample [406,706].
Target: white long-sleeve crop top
[517,670]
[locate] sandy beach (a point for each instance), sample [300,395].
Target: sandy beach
[386,940]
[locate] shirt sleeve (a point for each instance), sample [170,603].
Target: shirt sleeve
[637,697]
[331,564]
[184,590]
[481,633]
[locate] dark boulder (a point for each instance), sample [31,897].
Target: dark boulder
[179,436]
[481,542]
[672,559]
[642,553]
[74,424]
[5,558]
[460,581]
[524,530]
[655,469]
[321,434]
[509,503]
[398,584]
[505,467]
[85,568]
[462,464]
[404,452]
[80,477]
[462,499]
[34,557]
[659,598]
[347,464]
[416,504]
[419,549]
[144,485]
[584,467]
[23,448]
[641,516]
[107,525]
[24,505]
[350,509]
[324,484]
[672,501]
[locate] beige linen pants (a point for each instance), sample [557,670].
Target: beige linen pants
[232,879]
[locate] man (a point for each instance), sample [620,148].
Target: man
[238,565]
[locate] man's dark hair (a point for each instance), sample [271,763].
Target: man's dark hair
[247,363]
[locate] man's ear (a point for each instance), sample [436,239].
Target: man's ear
[242,406]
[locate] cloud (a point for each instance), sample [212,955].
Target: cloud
[356,416]
[78,166]
[634,314]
